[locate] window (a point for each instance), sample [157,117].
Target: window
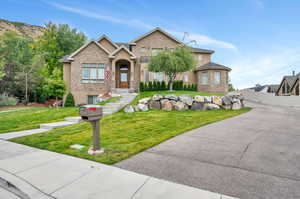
[146,76]
[204,78]
[92,99]
[217,77]
[143,49]
[155,51]
[159,76]
[185,78]
[92,73]
[200,57]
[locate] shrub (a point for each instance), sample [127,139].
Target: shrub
[150,86]
[142,87]
[5,100]
[69,100]
[163,85]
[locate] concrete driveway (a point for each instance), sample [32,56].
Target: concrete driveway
[254,155]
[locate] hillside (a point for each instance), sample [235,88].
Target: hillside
[23,29]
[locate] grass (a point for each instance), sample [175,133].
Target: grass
[113,99]
[125,134]
[177,93]
[30,118]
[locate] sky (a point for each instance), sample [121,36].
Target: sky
[258,39]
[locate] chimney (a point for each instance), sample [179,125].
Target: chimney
[293,73]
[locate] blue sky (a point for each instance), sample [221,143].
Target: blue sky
[258,39]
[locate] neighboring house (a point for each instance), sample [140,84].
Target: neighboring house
[271,88]
[102,66]
[287,84]
[296,86]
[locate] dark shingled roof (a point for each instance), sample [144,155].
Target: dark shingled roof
[124,44]
[64,59]
[200,50]
[290,79]
[212,66]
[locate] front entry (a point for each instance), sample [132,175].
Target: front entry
[123,74]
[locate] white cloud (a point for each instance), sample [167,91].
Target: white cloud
[199,38]
[205,40]
[264,68]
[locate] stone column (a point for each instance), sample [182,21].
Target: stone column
[113,74]
[132,82]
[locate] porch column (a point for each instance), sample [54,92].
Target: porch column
[113,74]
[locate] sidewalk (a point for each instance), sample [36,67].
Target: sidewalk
[38,174]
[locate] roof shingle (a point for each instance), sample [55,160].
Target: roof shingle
[212,66]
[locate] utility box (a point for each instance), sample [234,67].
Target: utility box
[93,114]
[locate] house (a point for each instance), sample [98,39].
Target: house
[102,66]
[288,85]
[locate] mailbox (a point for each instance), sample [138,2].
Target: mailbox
[90,113]
[93,114]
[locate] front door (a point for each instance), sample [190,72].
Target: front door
[124,77]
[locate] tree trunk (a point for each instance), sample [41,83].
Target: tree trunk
[26,88]
[171,85]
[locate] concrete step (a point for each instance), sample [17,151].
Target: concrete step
[73,119]
[56,125]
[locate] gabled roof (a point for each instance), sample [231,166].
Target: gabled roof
[127,45]
[112,55]
[297,80]
[290,79]
[108,39]
[84,46]
[200,50]
[212,66]
[152,31]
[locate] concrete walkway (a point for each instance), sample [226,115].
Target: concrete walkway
[108,109]
[252,156]
[39,174]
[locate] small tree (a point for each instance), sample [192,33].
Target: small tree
[172,62]
[70,100]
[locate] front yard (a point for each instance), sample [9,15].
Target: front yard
[126,134]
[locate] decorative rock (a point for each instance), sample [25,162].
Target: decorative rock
[217,100]
[143,107]
[237,105]
[157,97]
[211,107]
[136,108]
[227,107]
[186,99]
[171,97]
[199,98]
[77,146]
[144,100]
[180,106]
[207,99]
[197,106]
[166,105]
[227,100]
[129,109]
[154,104]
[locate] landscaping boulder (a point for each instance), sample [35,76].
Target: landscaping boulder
[186,99]
[237,104]
[166,105]
[171,97]
[157,97]
[143,107]
[210,106]
[207,99]
[144,100]
[227,100]
[199,98]
[129,109]
[136,108]
[154,104]
[197,106]
[180,106]
[227,107]
[217,100]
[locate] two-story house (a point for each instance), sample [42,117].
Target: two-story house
[102,66]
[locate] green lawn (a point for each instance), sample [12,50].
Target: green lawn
[31,118]
[191,93]
[125,134]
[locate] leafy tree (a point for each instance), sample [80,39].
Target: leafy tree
[70,102]
[172,62]
[55,87]
[57,41]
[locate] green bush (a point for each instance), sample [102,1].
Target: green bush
[150,86]
[160,86]
[142,87]
[69,100]
[7,101]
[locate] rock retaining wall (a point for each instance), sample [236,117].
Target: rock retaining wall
[186,102]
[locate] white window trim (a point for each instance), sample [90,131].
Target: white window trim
[98,66]
[207,82]
[219,81]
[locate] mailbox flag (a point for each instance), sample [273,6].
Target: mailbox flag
[107,72]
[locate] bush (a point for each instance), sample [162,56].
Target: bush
[7,101]
[161,86]
[142,87]
[69,100]
[164,86]
[150,86]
